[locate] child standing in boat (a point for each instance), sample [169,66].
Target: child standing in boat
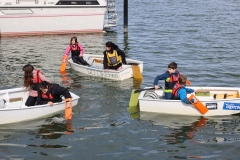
[77,52]
[32,78]
[113,57]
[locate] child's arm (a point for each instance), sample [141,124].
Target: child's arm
[182,93]
[160,77]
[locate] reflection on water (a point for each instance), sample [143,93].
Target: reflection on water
[196,129]
[51,128]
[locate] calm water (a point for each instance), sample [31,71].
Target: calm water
[201,36]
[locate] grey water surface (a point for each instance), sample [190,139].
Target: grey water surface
[203,37]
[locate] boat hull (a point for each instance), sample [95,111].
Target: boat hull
[216,107]
[96,68]
[16,111]
[30,18]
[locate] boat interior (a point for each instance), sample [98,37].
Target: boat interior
[98,63]
[13,99]
[202,94]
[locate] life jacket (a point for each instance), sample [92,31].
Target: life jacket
[47,96]
[75,50]
[175,90]
[36,79]
[113,58]
[170,82]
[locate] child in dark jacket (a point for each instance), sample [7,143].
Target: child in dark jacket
[170,77]
[49,93]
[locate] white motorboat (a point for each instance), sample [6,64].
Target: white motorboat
[96,68]
[215,101]
[13,109]
[37,17]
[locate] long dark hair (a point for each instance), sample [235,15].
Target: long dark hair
[111,45]
[73,38]
[28,75]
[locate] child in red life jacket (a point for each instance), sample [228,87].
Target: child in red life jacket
[32,78]
[49,93]
[77,51]
[170,77]
[180,92]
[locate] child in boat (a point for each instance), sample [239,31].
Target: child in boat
[49,93]
[170,77]
[32,77]
[113,57]
[77,52]
[179,91]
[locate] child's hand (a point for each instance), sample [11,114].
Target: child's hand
[68,105]
[50,103]
[195,101]
[156,87]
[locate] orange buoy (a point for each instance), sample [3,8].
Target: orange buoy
[68,111]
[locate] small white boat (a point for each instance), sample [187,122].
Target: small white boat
[96,68]
[217,100]
[14,109]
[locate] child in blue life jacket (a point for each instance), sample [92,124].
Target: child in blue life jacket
[170,77]
[179,91]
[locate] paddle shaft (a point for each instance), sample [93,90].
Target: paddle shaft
[140,90]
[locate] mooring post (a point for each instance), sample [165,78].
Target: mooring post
[125,16]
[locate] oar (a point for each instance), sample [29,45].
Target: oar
[68,111]
[64,63]
[199,106]
[140,90]
[136,72]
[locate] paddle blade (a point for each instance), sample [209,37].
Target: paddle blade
[68,111]
[136,72]
[64,63]
[188,83]
[134,98]
[200,107]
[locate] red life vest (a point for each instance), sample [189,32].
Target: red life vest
[45,96]
[36,79]
[175,90]
[75,50]
[172,80]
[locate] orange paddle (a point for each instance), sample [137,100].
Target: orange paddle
[68,111]
[64,63]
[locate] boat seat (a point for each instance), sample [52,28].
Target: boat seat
[16,104]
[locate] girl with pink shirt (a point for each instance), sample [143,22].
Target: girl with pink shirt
[77,51]
[32,78]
